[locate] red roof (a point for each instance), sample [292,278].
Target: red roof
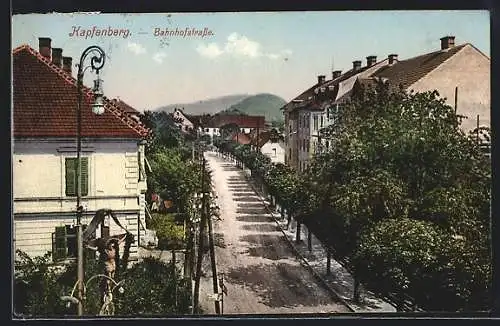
[243,121]
[45,102]
[241,138]
[124,106]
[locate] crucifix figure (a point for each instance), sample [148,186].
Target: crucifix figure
[108,249]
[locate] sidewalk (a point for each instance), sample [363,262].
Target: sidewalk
[339,281]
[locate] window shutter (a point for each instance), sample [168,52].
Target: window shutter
[59,244]
[85,175]
[70,177]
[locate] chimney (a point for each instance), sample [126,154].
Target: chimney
[57,56]
[321,79]
[393,58]
[447,42]
[371,60]
[356,65]
[336,74]
[44,46]
[66,64]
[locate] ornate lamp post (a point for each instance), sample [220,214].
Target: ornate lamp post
[96,63]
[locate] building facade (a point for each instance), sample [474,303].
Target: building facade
[44,158]
[461,75]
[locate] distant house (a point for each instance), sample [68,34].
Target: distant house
[245,123]
[271,144]
[240,138]
[44,157]
[182,121]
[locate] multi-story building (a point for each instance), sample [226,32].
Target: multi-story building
[461,75]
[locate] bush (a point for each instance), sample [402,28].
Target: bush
[150,290]
[39,285]
[170,235]
[443,273]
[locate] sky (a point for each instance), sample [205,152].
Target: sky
[240,53]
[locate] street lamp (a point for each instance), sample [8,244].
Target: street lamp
[96,63]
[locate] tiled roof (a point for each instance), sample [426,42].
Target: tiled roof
[304,96]
[199,120]
[45,102]
[310,99]
[124,106]
[243,121]
[407,72]
[241,138]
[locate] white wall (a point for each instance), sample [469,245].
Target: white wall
[40,202]
[33,234]
[275,151]
[469,70]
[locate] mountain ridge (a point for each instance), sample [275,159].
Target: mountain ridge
[266,104]
[210,105]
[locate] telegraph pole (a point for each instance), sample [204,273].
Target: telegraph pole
[212,260]
[200,243]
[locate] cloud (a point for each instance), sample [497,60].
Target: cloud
[210,50]
[242,45]
[159,56]
[239,46]
[136,48]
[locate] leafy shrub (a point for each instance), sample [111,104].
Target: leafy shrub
[150,289]
[443,273]
[170,234]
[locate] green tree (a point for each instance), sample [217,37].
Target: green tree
[397,155]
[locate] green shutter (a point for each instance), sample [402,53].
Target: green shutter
[71,181]
[85,176]
[59,245]
[70,177]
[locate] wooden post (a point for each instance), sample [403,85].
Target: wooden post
[328,262]
[212,260]
[477,130]
[309,240]
[200,247]
[356,292]
[175,278]
[297,237]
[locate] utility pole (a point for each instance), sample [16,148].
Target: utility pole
[477,130]
[212,260]
[200,244]
[175,278]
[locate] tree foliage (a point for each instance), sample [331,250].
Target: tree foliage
[402,193]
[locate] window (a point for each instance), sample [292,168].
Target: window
[308,145]
[64,242]
[274,152]
[71,182]
[315,123]
[303,144]
[321,123]
[206,130]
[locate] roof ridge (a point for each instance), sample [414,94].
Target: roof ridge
[434,52]
[128,121]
